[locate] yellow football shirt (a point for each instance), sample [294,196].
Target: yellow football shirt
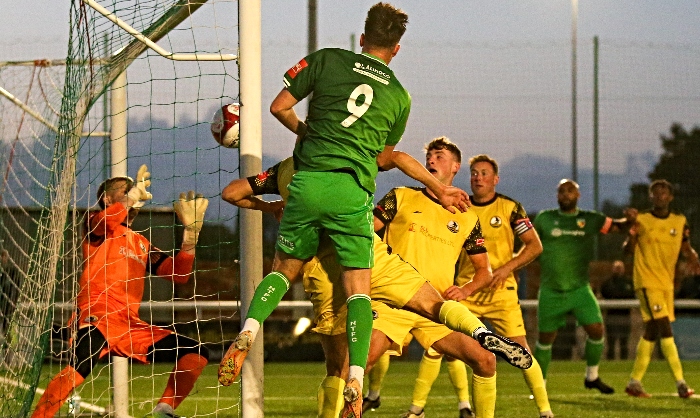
[501,219]
[426,235]
[658,246]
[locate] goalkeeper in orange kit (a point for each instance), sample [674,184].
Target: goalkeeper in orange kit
[116,262]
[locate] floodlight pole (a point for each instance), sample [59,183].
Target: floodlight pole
[574,145]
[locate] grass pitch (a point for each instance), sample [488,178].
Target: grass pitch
[290,391]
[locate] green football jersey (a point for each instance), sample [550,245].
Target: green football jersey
[568,241]
[357,107]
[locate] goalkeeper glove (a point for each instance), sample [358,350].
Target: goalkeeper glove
[190,209]
[139,194]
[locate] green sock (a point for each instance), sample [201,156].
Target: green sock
[543,355]
[267,296]
[594,351]
[359,329]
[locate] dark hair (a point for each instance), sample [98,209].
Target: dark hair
[663,183]
[107,187]
[483,158]
[443,142]
[385,25]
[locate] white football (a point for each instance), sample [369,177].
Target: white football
[225,126]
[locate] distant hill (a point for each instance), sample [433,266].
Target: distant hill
[532,180]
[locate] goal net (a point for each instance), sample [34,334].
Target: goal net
[62,133]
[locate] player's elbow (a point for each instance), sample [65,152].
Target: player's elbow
[536,249]
[385,161]
[277,108]
[236,191]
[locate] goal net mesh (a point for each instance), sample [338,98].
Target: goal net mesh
[54,155]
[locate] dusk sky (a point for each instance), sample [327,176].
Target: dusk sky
[493,76]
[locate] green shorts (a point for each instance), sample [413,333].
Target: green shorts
[334,202]
[553,306]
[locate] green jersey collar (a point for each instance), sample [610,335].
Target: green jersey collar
[372,57]
[569,214]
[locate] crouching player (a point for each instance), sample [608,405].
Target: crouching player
[116,261]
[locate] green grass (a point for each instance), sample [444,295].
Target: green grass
[290,391]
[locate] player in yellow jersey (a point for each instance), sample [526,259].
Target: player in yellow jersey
[657,238]
[393,281]
[431,239]
[502,219]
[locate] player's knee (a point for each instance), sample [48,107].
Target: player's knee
[483,363]
[486,365]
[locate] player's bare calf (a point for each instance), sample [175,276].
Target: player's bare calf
[231,364]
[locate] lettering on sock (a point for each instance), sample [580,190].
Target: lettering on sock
[353,326]
[269,292]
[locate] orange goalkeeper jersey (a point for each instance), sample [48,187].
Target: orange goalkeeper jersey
[116,262]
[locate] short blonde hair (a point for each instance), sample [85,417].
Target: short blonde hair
[484,158]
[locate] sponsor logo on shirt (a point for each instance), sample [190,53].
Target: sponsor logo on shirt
[284,242]
[453,227]
[673,232]
[495,222]
[292,72]
[414,227]
[129,253]
[143,247]
[557,232]
[371,72]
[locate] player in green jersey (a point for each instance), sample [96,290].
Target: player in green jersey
[357,115]
[568,241]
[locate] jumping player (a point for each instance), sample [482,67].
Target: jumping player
[357,115]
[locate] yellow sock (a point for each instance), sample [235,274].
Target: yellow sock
[459,318]
[641,361]
[484,395]
[330,397]
[458,376]
[670,351]
[376,375]
[534,380]
[428,371]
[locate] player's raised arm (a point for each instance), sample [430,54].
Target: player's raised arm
[190,210]
[450,197]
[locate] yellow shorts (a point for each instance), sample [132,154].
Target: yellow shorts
[400,325]
[501,309]
[655,304]
[394,282]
